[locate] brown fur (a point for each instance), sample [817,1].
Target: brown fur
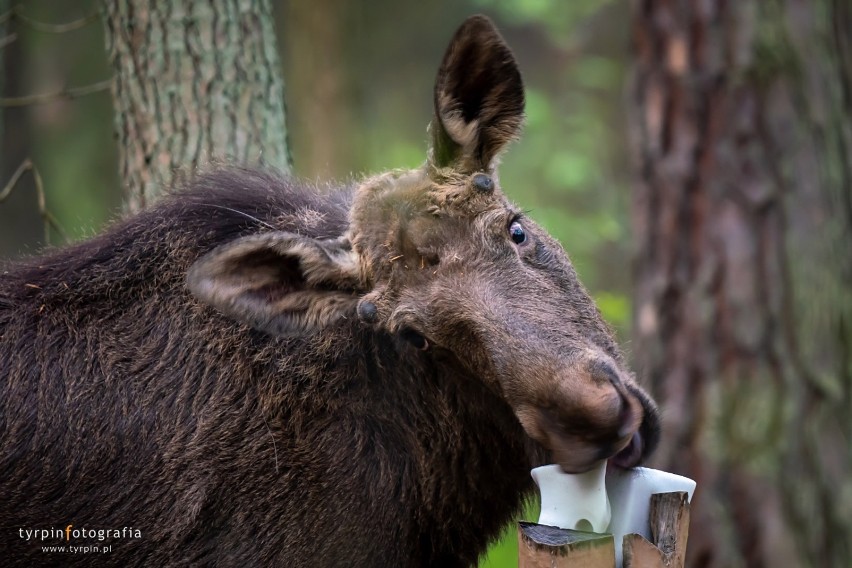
[254,373]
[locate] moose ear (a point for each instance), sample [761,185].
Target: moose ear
[281,283]
[479,99]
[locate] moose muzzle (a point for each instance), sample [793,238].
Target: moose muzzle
[591,412]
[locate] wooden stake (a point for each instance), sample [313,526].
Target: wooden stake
[669,520]
[541,546]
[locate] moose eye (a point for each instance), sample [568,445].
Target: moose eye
[516,231]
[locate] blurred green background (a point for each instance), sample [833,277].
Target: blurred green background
[359,81]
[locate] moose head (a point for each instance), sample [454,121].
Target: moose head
[441,259]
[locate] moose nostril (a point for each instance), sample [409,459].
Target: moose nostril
[604,371]
[632,454]
[626,418]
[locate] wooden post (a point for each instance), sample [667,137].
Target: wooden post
[669,520]
[541,546]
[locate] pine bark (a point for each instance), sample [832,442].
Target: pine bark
[742,213]
[195,82]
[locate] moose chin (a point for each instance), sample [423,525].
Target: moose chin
[254,372]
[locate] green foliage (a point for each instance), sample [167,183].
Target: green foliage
[73,187]
[615,308]
[69,141]
[558,17]
[504,553]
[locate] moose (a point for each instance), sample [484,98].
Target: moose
[253,372]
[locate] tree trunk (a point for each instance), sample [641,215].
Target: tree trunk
[743,309]
[195,81]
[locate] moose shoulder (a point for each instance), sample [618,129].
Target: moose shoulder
[256,373]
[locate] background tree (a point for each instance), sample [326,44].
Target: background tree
[193,81]
[743,132]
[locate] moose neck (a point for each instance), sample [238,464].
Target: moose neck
[471,455]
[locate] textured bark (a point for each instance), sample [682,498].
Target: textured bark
[815,172]
[669,521]
[741,115]
[195,81]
